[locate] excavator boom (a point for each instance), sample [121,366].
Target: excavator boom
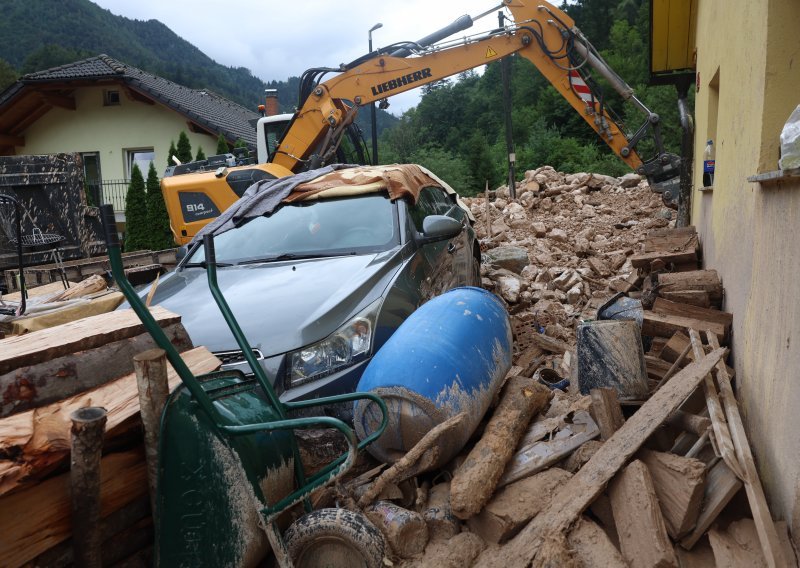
[536,30]
[539,31]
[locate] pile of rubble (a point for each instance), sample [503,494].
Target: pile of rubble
[641,471]
[564,242]
[615,439]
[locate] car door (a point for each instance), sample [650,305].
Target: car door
[437,258]
[459,247]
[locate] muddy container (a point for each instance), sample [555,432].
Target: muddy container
[449,356]
[610,355]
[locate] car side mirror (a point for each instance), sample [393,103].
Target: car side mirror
[437,228]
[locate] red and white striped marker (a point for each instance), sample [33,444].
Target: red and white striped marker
[580,86]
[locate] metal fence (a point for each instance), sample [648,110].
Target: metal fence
[111,191]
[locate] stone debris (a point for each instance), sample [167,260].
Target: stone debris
[564,243]
[558,255]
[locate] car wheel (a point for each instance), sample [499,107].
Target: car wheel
[337,538]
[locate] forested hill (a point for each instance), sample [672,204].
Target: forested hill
[458,129]
[38,34]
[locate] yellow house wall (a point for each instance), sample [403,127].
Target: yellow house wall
[751,232]
[111,130]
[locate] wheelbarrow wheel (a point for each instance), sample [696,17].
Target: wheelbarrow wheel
[337,538]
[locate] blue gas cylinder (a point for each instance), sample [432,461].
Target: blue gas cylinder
[450,356]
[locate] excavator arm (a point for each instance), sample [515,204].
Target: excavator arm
[534,29]
[538,31]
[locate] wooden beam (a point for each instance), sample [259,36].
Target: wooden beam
[679,238]
[607,411]
[10,140]
[45,382]
[719,423]
[721,485]
[198,129]
[640,524]
[593,548]
[543,538]
[644,259]
[138,96]
[660,325]
[79,335]
[475,481]
[737,546]
[548,343]
[679,484]
[513,506]
[666,307]
[703,280]
[767,535]
[61,101]
[676,345]
[40,438]
[29,118]
[657,368]
[694,297]
[697,425]
[38,518]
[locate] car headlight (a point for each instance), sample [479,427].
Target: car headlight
[346,346]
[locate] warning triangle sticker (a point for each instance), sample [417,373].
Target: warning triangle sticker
[490,53]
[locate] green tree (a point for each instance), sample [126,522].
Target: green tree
[172,152]
[52,55]
[447,166]
[200,154]
[158,220]
[400,142]
[184,148]
[222,144]
[137,230]
[8,75]
[240,143]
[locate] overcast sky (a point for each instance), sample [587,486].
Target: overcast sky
[278,40]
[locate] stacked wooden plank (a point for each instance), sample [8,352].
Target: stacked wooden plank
[53,372]
[660,488]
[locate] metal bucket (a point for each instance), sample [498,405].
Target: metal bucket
[450,356]
[610,355]
[621,307]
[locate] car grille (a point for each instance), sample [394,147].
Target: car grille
[237,356]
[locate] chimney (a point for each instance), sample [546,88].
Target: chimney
[271,99]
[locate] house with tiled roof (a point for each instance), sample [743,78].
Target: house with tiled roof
[114,115]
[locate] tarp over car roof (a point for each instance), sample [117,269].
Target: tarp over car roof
[399,180]
[263,197]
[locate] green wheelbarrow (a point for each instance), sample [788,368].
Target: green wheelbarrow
[229,464]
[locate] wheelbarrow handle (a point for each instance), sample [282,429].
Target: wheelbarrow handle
[210,251]
[150,324]
[110,225]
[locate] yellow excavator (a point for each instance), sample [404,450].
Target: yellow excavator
[322,130]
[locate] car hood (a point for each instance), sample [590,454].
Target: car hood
[280,306]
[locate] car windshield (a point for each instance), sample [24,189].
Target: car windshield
[325,227]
